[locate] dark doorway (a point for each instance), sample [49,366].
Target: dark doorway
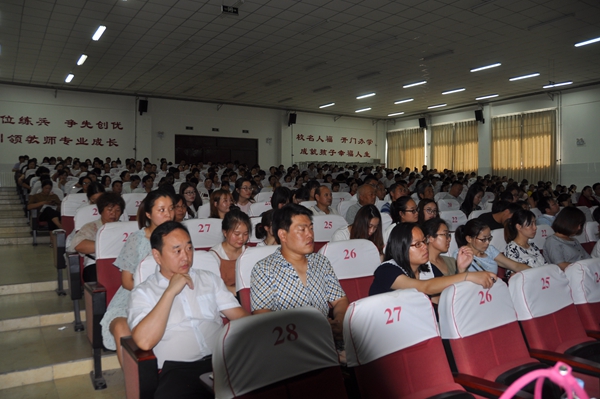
[196,149]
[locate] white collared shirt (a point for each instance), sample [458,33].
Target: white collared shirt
[194,322]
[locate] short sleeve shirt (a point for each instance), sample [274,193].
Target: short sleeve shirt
[487,263]
[557,250]
[134,251]
[275,285]
[384,277]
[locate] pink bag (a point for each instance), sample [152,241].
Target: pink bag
[560,374]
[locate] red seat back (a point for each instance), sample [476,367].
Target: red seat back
[478,323]
[393,344]
[354,262]
[285,354]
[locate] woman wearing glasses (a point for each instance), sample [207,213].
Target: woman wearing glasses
[405,265]
[427,210]
[477,236]
[242,195]
[193,201]
[438,242]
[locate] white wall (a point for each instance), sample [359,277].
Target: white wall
[579,117]
[57,107]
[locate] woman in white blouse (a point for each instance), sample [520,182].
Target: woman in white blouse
[519,229]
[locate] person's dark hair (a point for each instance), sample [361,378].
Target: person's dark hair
[146,178]
[501,206]
[94,188]
[197,200]
[134,178]
[266,220]
[42,170]
[238,186]
[521,217]
[46,182]
[596,214]
[398,248]
[235,217]
[115,182]
[281,195]
[544,203]
[562,198]
[318,190]
[282,218]
[421,208]
[360,226]
[431,227]
[147,204]
[81,179]
[421,187]
[399,206]
[468,205]
[471,229]
[312,184]
[107,199]
[301,194]
[156,239]
[570,221]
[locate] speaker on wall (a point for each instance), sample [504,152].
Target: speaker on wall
[291,119]
[423,123]
[143,106]
[479,116]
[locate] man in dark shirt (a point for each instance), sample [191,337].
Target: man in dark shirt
[501,212]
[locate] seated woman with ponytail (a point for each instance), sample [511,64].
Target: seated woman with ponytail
[263,230]
[405,265]
[477,236]
[518,230]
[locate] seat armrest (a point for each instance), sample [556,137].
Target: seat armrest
[482,387]
[73,262]
[60,249]
[578,364]
[140,370]
[95,308]
[593,334]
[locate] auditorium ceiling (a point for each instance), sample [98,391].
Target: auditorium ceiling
[300,55]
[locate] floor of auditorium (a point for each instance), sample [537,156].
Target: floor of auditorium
[37,339]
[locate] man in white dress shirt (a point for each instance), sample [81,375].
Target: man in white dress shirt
[176,312]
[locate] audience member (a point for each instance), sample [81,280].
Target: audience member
[562,248]
[427,210]
[501,212]
[549,208]
[324,199]
[220,202]
[366,196]
[367,225]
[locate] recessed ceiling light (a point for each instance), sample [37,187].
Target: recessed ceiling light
[551,85]
[362,110]
[406,100]
[587,42]
[531,75]
[69,78]
[414,84]
[486,97]
[436,106]
[486,67]
[396,114]
[453,91]
[327,105]
[365,96]
[82,59]
[99,33]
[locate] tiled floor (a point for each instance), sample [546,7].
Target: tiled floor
[70,388]
[40,348]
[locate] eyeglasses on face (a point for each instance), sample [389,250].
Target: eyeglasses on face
[445,235]
[419,244]
[413,211]
[484,239]
[431,211]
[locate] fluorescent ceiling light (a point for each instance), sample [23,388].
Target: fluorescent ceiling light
[551,85]
[327,105]
[362,110]
[69,78]
[365,96]
[486,97]
[436,106]
[406,100]
[396,114]
[414,84]
[587,42]
[486,67]
[99,33]
[82,59]
[453,91]
[531,75]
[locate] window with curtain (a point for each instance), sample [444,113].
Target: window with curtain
[455,146]
[524,146]
[406,148]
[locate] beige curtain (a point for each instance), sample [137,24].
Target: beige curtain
[406,148]
[524,146]
[442,145]
[466,147]
[539,146]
